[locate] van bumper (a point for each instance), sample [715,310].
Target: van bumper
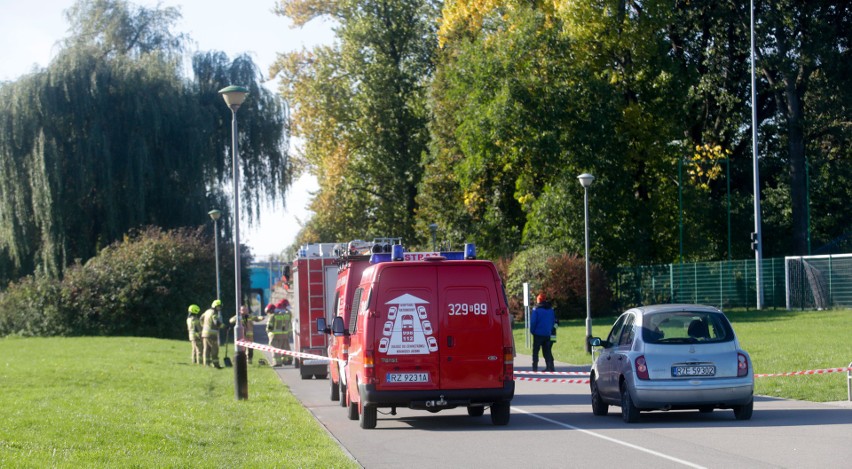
[435,399]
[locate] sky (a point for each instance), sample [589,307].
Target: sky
[29,40]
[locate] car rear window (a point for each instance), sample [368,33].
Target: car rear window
[679,327]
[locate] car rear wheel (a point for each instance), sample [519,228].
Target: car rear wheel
[743,412]
[629,412]
[599,407]
[475,411]
[500,413]
[334,390]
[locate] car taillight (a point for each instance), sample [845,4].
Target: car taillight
[344,353]
[508,364]
[369,370]
[641,368]
[742,365]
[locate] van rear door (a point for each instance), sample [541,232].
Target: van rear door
[471,332]
[407,355]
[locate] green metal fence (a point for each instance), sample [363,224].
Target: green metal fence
[725,284]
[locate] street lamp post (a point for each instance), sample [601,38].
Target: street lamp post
[586,180]
[234,97]
[434,229]
[215,215]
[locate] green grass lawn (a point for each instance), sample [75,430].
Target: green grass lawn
[136,402]
[778,341]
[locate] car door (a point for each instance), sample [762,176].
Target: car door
[621,351]
[605,369]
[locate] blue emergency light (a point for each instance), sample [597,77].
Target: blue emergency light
[398,254]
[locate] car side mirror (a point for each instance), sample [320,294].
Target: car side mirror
[598,342]
[337,327]
[322,327]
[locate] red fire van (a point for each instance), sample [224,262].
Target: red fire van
[351,264]
[430,334]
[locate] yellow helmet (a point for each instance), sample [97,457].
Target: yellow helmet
[216,304]
[194,309]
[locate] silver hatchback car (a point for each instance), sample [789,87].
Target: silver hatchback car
[665,357]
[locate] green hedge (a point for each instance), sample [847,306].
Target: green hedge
[141,286]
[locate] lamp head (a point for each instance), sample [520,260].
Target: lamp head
[586,179]
[234,96]
[215,214]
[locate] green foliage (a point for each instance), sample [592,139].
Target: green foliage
[112,136]
[140,287]
[528,266]
[361,107]
[135,402]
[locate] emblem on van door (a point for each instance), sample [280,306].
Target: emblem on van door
[492,358]
[407,330]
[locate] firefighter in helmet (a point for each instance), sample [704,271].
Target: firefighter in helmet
[278,330]
[210,326]
[193,325]
[248,327]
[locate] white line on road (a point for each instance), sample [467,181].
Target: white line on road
[610,439]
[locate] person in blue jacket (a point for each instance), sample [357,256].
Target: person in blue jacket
[542,321]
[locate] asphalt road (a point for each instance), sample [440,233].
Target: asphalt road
[552,426]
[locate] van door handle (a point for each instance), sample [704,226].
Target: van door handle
[450,341]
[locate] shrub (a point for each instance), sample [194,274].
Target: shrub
[140,286]
[565,287]
[528,266]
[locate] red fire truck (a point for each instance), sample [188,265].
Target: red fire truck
[314,274]
[430,334]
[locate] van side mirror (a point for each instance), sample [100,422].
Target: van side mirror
[322,327]
[337,327]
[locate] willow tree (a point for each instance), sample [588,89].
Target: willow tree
[360,105]
[111,135]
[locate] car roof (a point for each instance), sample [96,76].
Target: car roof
[651,309]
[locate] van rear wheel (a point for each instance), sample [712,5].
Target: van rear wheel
[334,390]
[475,411]
[500,413]
[342,393]
[352,411]
[369,416]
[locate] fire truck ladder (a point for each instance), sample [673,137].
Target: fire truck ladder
[315,297]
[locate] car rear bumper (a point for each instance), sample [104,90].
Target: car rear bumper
[692,393]
[435,399]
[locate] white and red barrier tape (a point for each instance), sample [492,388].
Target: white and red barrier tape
[553,380]
[278,351]
[806,372]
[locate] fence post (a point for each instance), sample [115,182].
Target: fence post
[830,298]
[721,292]
[671,283]
[695,282]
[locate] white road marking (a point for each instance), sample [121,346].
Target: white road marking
[610,439]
